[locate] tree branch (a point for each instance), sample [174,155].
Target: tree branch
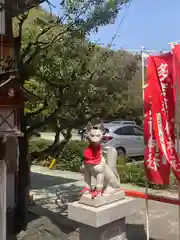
[38,47]
[17,40]
[56,147]
[32,94]
[46,30]
[57,136]
[76,123]
[38,124]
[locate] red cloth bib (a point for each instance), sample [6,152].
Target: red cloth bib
[92,154]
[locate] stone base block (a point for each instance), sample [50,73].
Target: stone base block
[86,199]
[103,215]
[113,231]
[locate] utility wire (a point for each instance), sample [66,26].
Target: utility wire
[120,23]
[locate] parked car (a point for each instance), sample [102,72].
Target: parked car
[128,139]
[118,122]
[123,122]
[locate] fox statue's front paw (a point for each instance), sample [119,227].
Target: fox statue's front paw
[96,193]
[86,190]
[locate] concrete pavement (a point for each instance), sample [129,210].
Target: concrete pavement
[52,189]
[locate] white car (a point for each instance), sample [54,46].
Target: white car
[128,139]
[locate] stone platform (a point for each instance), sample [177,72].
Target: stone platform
[99,216]
[86,199]
[105,222]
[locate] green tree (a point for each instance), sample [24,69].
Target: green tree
[35,32]
[83,82]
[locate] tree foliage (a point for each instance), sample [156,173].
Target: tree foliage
[77,81]
[70,79]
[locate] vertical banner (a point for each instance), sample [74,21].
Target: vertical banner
[176,67]
[156,167]
[163,108]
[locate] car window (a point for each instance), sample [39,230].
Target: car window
[127,130]
[138,131]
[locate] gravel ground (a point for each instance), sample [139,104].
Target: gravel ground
[163,217]
[163,224]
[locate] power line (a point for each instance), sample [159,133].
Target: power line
[120,23]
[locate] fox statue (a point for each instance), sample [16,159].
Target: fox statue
[95,165]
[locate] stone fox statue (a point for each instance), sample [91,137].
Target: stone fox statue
[94,164]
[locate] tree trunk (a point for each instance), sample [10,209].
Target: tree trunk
[56,148]
[22,187]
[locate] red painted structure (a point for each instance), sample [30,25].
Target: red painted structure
[162,199]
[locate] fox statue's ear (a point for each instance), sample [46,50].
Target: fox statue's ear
[101,127]
[89,127]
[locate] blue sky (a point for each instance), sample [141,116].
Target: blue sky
[149,23]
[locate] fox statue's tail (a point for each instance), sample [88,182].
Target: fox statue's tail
[111,170]
[112,160]
[113,180]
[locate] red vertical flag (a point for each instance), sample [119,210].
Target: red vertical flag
[176,67]
[163,110]
[156,167]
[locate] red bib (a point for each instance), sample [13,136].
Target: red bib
[92,154]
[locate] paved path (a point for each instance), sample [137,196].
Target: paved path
[47,184]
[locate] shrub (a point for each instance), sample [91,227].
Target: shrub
[134,173]
[71,158]
[37,145]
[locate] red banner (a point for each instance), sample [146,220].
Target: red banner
[163,109]
[176,68]
[156,167]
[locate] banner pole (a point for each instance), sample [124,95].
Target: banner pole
[146,184]
[172,45]
[177,142]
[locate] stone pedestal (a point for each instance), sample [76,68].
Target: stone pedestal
[113,231]
[105,222]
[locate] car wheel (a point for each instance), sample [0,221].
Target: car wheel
[121,152]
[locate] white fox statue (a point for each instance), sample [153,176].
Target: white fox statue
[95,165]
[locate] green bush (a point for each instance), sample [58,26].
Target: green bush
[71,160]
[38,144]
[133,173]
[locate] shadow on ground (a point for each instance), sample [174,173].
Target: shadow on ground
[70,227]
[64,190]
[39,181]
[136,232]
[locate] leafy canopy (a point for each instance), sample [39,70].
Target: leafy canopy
[69,79]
